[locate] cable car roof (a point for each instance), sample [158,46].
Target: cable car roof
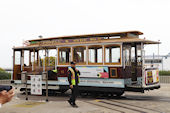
[91,35]
[114,40]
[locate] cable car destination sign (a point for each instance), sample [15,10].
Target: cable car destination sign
[57,41]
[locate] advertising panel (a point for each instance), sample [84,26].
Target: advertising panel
[94,72]
[36,84]
[151,76]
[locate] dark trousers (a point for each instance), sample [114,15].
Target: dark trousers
[74,94]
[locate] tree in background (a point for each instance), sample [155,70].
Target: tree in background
[4,74]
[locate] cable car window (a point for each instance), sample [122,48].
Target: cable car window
[33,58]
[112,54]
[51,57]
[17,57]
[26,58]
[133,54]
[95,54]
[64,55]
[127,55]
[139,55]
[79,54]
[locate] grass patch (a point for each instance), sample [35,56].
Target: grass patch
[166,73]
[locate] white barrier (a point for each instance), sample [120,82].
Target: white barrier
[164,79]
[5,81]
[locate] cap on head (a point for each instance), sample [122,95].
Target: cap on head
[72,62]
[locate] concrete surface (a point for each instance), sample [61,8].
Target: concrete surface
[156,101]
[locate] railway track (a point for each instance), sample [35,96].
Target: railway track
[120,107]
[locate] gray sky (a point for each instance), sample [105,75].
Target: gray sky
[27,19]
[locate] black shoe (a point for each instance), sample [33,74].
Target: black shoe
[70,102]
[75,106]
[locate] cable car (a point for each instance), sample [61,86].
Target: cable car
[108,62]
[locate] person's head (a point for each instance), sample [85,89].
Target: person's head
[73,64]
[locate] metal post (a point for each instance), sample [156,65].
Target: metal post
[44,62]
[26,90]
[24,81]
[12,68]
[46,86]
[56,61]
[103,55]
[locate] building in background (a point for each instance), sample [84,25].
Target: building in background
[163,61]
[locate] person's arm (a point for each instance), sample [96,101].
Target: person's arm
[6,96]
[69,78]
[79,72]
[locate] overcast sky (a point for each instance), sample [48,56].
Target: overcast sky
[27,19]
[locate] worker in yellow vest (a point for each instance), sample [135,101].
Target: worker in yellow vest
[73,78]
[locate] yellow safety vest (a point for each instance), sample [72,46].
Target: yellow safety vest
[73,81]
[55,71]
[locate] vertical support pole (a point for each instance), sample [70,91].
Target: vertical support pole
[34,62]
[87,55]
[95,55]
[136,63]
[103,57]
[45,59]
[82,57]
[44,62]
[12,69]
[48,57]
[142,64]
[46,86]
[13,76]
[110,56]
[123,56]
[26,89]
[22,60]
[45,73]
[30,57]
[72,54]
[158,54]
[37,57]
[121,53]
[130,58]
[136,55]
[56,61]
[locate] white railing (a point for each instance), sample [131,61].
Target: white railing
[164,79]
[2,82]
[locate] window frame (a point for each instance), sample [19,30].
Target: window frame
[116,72]
[80,63]
[70,58]
[89,63]
[117,63]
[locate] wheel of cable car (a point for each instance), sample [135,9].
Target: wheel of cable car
[63,90]
[118,94]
